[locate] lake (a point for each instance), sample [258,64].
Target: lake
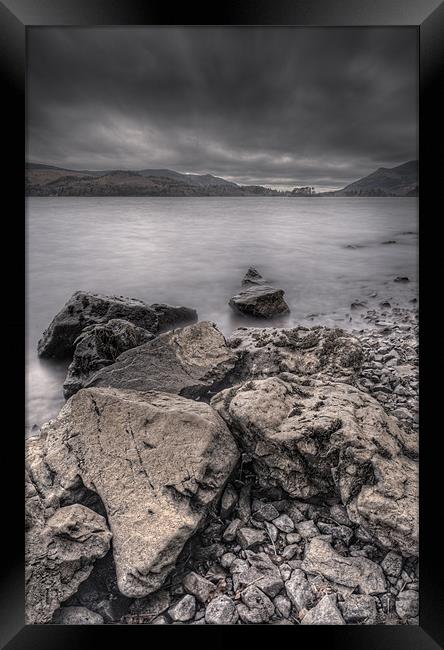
[324,252]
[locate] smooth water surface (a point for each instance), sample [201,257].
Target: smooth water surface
[324,252]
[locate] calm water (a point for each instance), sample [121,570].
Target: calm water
[194,252]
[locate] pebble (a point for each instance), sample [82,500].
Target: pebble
[407,604]
[198,586]
[250,537]
[221,611]
[184,610]
[284,523]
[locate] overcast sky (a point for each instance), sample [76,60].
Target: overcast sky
[274,106]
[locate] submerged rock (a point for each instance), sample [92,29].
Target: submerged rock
[252,276]
[99,346]
[260,301]
[157,461]
[325,439]
[84,309]
[191,361]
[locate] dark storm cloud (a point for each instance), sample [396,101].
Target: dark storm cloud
[276,106]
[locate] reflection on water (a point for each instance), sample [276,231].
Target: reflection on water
[325,253]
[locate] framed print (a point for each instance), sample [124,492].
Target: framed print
[224,343]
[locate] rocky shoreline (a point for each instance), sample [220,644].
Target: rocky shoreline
[270,477]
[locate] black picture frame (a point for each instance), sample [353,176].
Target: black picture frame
[15,17]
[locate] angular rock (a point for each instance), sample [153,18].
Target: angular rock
[321,558]
[189,362]
[84,309]
[198,586]
[264,511]
[252,276]
[221,611]
[299,591]
[99,346]
[326,439]
[257,607]
[267,351]
[260,301]
[407,604]
[284,523]
[77,616]
[160,620]
[170,316]
[325,613]
[149,607]
[183,610]
[359,609]
[307,529]
[263,572]
[249,537]
[230,531]
[290,551]
[392,564]
[271,530]
[157,461]
[283,606]
[60,551]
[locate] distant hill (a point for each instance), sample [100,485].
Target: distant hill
[47,180]
[385,181]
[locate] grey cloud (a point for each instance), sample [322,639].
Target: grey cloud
[278,106]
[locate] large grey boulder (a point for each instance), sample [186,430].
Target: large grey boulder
[326,439]
[356,572]
[190,361]
[260,301]
[99,346]
[85,308]
[157,461]
[267,351]
[60,550]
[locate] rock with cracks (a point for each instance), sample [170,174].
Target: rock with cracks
[356,572]
[191,362]
[60,550]
[84,309]
[99,346]
[267,351]
[157,461]
[330,438]
[260,301]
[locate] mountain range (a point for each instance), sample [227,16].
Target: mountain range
[385,181]
[48,180]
